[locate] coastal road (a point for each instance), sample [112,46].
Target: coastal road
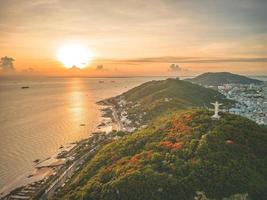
[49,192]
[120,126]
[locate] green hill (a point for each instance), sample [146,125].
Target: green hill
[220,78]
[178,156]
[155,97]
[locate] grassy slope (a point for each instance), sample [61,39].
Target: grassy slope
[176,156]
[151,96]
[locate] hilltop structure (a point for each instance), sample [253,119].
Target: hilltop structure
[216,110]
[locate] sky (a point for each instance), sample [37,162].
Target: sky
[134,37]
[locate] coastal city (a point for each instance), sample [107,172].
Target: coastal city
[251,100]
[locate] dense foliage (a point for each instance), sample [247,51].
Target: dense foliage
[157,97]
[176,156]
[220,78]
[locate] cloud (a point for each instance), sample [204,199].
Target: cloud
[74,68]
[226,60]
[175,68]
[6,64]
[99,67]
[28,70]
[168,59]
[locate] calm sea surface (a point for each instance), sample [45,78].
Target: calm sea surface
[35,122]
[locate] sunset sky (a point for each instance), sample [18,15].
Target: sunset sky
[135,37]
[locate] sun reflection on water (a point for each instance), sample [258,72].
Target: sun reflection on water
[78,105]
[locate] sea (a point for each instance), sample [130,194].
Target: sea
[36,121]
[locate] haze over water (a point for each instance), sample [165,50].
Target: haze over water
[35,122]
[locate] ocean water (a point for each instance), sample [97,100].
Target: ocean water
[35,122]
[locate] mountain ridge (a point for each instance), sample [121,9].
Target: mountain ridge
[153,98]
[220,78]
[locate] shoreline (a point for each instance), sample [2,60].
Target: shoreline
[28,184]
[43,169]
[109,112]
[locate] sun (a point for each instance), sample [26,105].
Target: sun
[74,55]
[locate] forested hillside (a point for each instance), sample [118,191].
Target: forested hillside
[178,156]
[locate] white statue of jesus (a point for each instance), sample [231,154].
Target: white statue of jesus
[216,110]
